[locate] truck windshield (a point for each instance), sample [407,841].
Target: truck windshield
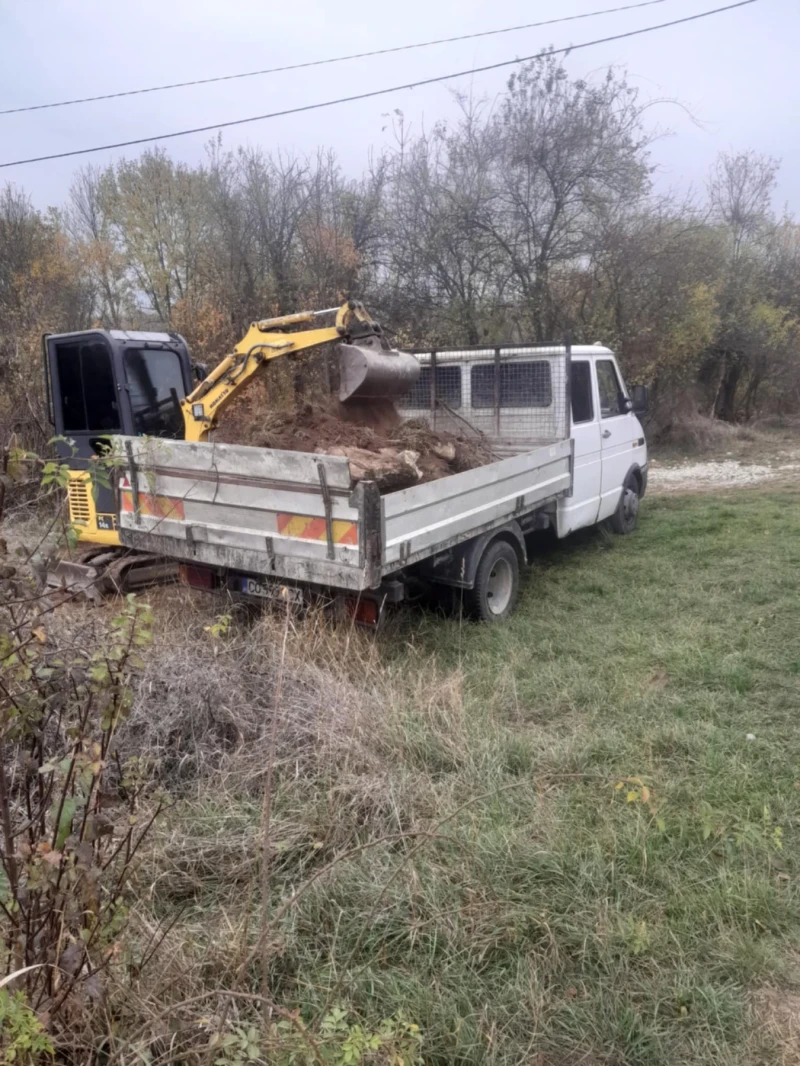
[156,388]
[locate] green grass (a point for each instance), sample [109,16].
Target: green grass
[550,916]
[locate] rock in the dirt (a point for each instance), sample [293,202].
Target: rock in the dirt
[389,468]
[410,459]
[445,450]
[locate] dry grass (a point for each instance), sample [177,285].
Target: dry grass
[687,434]
[203,716]
[777,1021]
[205,701]
[693,434]
[445,836]
[444,805]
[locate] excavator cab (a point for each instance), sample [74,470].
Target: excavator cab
[102,382]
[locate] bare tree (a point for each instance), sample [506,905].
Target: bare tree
[155,208]
[88,222]
[740,191]
[517,221]
[567,150]
[276,192]
[444,270]
[44,286]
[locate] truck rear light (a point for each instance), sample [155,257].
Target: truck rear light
[365,612]
[197,577]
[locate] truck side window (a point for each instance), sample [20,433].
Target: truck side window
[581,391]
[88,392]
[611,395]
[448,388]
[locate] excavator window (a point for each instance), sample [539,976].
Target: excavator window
[86,382]
[156,388]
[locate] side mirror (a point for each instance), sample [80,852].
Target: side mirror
[625,405]
[200,371]
[639,399]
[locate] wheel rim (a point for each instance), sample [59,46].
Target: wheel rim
[499,586]
[630,506]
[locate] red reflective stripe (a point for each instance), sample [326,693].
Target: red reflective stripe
[154,506]
[306,527]
[315,530]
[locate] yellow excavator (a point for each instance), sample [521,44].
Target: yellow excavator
[106,382]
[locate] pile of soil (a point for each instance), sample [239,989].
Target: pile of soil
[380,446]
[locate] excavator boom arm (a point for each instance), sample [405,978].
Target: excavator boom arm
[263,342]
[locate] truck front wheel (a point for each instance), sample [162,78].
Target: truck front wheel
[494,594]
[626,517]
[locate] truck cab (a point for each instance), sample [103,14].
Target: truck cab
[517,396]
[610,452]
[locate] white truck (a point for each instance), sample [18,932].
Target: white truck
[570,453]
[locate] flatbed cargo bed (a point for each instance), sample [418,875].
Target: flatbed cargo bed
[297,517]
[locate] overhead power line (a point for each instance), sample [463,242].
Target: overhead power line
[324,62]
[375,92]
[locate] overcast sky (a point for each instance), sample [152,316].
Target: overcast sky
[737,72]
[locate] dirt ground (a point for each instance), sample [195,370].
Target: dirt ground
[703,455]
[761,465]
[690,476]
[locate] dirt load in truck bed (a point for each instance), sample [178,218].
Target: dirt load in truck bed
[378,444]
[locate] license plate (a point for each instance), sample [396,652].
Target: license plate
[266,590]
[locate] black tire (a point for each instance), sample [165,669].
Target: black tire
[626,517]
[494,594]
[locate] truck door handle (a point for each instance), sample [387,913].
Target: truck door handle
[606,432]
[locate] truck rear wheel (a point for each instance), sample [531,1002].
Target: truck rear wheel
[494,594]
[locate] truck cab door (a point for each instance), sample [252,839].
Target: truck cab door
[580,509]
[617,436]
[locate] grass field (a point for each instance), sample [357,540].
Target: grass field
[570,839]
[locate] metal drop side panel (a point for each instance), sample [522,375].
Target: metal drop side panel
[419,521]
[295,517]
[284,514]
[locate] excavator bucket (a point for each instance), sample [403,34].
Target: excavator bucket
[370,372]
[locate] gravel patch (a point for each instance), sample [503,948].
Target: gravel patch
[728,473]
